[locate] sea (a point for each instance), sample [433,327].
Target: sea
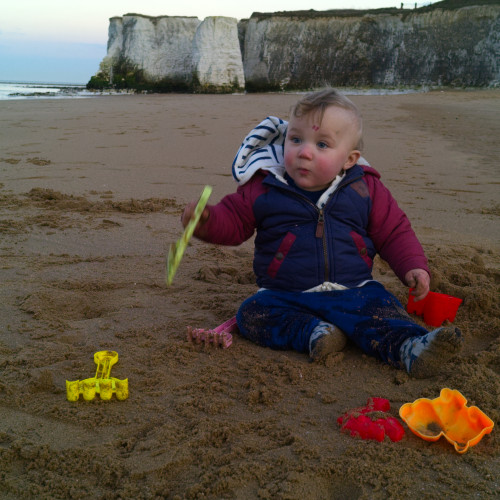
[36,90]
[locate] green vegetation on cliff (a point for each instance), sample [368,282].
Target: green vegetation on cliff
[310,14]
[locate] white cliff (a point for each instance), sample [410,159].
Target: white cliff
[216,55]
[174,53]
[115,44]
[441,47]
[301,50]
[160,46]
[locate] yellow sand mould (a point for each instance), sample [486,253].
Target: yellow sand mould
[447,416]
[102,383]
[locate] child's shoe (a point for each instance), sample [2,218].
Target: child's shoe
[424,356]
[324,340]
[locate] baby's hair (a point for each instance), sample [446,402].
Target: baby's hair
[321,100]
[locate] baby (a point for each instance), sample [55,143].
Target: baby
[321,215]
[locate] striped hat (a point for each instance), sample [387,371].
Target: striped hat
[262,149]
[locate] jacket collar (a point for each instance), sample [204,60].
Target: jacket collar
[276,178]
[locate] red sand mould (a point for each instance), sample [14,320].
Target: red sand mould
[367,422]
[435,308]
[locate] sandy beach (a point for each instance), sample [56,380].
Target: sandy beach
[91,193]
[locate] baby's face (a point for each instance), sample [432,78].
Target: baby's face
[316,153]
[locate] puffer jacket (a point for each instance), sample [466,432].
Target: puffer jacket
[299,246]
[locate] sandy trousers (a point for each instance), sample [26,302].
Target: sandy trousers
[370,316]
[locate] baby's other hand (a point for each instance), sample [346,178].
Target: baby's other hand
[420,281]
[188,213]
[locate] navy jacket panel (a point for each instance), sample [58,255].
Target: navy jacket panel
[298,246]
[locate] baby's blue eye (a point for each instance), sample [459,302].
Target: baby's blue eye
[295,140]
[322,145]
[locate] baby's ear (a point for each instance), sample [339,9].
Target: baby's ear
[352,159]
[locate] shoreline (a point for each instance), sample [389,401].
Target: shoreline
[79,90]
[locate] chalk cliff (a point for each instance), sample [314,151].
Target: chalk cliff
[173,53]
[216,54]
[459,47]
[301,50]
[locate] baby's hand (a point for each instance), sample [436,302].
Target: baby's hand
[189,212]
[420,281]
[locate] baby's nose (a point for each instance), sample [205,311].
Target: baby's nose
[305,151]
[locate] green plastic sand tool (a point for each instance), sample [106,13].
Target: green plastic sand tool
[176,250]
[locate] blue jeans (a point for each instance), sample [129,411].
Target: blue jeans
[370,316]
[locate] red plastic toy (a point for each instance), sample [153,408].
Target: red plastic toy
[435,308]
[367,422]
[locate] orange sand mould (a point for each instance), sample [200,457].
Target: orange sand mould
[447,416]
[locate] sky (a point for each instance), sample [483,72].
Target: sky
[61,41]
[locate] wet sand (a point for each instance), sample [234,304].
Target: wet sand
[91,193]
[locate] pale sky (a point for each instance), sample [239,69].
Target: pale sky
[64,41]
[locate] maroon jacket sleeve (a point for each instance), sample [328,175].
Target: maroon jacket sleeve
[232,220]
[391,231]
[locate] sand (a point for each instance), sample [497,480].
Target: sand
[91,193]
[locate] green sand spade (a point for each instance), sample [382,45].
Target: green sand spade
[176,250]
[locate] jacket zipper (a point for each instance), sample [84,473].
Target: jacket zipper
[320,233]
[320,226]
